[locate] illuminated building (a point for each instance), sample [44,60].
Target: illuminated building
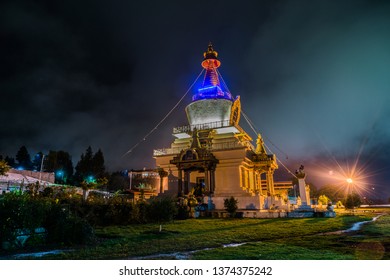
[214,154]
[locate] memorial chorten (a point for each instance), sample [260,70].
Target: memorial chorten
[213,155]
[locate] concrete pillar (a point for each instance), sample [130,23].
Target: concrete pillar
[161,184]
[180,182]
[270,183]
[305,198]
[259,183]
[247,180]
[251,181]
[186,181]
[162,174]
[212,181]
[206,180]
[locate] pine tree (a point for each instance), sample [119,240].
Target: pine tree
[90,166]
[98,167]
[24,159]
[10,161]
[83,167]
[59,162]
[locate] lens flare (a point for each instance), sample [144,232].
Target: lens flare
[348,169]
[345,176]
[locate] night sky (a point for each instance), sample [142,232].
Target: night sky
[313,76]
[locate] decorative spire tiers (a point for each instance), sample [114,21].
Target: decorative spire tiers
[211,88]
[214,158]
[212,103]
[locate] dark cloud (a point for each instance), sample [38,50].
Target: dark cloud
[313,75]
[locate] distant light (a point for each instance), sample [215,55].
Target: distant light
[20,168]
[60,173]
[90,179]
[349,180]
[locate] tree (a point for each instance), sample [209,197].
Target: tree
[4,167]
[98,168]
[161,210]
[334,193]
[323,199]
[90,166]
[230,205]
[88,185]
[353,200]
[24,159]
[10,161]
[59,162]
[84,166]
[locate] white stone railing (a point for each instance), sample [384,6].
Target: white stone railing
[214,147]
[226,146]
[166,151]
[202,126]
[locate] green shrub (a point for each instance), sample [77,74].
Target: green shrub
[353,200]
[63,228]
[21,212]
[138,214]
[161,209]
[323,199]
[182,212]
[78,231]
[230,205]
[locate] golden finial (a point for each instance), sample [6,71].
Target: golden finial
[210,57]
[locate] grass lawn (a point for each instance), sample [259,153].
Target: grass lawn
[284,238]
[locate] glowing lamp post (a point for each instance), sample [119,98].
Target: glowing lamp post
[40,170]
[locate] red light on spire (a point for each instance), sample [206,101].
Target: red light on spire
[210,58]
[211,88]
[210,63]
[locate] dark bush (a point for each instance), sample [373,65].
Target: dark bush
[21,213]
[182,212]
[78,231]
[63,228]
[353,200]
[230,205]
[161,209]
[139,212]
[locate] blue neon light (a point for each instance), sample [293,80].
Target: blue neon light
[211,92]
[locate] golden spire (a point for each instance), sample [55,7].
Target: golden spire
[260,149]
